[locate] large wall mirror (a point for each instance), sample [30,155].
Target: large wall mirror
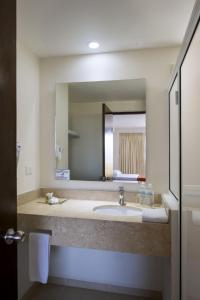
[100,130]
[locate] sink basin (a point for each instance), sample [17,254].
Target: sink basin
[116,210]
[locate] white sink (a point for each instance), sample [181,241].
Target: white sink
[116,210]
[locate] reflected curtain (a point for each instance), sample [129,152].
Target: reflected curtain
[131,153]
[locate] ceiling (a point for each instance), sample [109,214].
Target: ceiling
[117,90]
[64,27]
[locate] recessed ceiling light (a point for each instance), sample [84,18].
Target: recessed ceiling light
[93,45]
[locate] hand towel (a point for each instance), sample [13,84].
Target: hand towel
[195,216]
[154,215]
[39,254]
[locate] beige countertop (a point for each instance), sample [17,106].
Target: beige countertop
[75,224]
[82,209]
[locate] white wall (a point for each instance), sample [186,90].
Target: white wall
[129,121]
[28,128]
[85,152]
[28,125]
[127,105]
[151,64]
[114,268]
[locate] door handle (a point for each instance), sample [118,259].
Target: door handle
[13,236]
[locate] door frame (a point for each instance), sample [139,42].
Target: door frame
[8,177]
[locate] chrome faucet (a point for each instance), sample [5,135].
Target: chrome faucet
[121,196]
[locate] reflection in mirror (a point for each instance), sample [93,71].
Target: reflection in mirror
[105,127]
[129,146]
[61,127]
[174,140]
[107,135]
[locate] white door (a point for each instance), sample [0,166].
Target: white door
[190,181]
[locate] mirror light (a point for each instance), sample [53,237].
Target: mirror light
[93,45]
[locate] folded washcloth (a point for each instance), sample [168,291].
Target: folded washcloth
[154,215]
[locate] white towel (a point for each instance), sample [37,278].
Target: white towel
[195,216]
[154,215]
[39,253]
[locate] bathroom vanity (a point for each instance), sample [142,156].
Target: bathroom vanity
[75,223]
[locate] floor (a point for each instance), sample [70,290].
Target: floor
[56,292]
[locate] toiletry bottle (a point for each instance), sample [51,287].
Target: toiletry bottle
[141,193]
[149,195]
